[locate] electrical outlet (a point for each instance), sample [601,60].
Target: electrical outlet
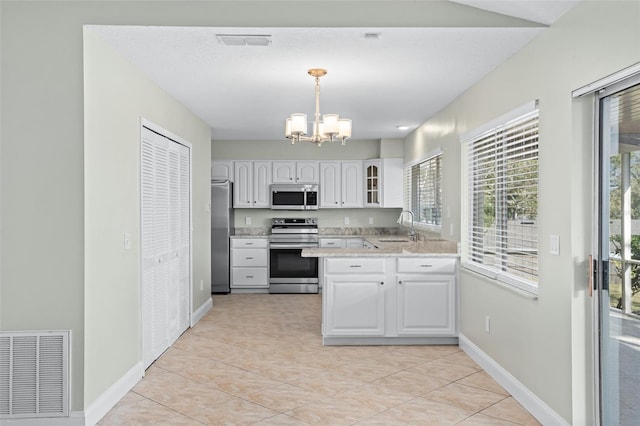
[201,285]
[346,220]
[487,324]
[247,220]
[370,220]
[126,241]
[451,229]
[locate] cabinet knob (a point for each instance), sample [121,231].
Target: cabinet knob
[399,282]
[336,202]
[381,282]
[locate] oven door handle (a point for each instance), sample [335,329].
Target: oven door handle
[291,246]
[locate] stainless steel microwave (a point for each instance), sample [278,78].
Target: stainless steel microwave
[294,197]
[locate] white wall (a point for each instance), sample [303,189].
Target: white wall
[544,343]
[116,96]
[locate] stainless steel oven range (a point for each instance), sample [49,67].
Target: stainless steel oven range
[289,272]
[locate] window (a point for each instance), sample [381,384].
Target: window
[423,191]
[500,233]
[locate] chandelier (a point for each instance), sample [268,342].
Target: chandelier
[331,128]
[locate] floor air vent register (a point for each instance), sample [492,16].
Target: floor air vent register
[34,374]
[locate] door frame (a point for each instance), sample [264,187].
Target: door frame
[600,246]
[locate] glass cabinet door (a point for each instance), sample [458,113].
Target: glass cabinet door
[372,189]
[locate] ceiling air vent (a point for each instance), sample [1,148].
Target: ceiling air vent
[244,39]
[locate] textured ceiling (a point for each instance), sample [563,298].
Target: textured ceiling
[245,92]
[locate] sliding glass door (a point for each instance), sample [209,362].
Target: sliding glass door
[618,268]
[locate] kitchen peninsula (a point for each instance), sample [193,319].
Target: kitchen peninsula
[392,291]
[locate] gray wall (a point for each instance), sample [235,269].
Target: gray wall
[544,343]
[116,96]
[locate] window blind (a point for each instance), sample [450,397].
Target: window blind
[423,191]
[502,177]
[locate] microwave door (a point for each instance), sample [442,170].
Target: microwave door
[288,200]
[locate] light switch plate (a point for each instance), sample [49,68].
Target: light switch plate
[554,245]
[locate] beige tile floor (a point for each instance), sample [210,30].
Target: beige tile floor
[259,359]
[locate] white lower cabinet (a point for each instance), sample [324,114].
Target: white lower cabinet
[389,298]
[249,263]
[357,305]
[425,304]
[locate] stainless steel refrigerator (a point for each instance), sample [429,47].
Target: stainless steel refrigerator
[221,230]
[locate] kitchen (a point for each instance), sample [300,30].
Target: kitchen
[284,250]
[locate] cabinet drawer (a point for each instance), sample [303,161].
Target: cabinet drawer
[249,242]
[356,265]
[249,277]
[427,264]
[331,243]
[249,257]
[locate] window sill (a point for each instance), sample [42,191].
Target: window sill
[517,286]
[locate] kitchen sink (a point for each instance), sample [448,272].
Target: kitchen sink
[395,240]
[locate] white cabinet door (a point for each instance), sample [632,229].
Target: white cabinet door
[330,184]
[355,305]
[243,184]
[261,182]
[392,175]
[222,170]
[251,184]
[352,184]
[284,172]
[426,305]
[307,172]
[372,183]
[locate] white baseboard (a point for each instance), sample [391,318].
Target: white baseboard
[541,411]
[201,311]
[112,395]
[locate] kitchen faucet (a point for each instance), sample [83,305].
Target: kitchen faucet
[412,232]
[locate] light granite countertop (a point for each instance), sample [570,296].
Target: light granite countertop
[390,246]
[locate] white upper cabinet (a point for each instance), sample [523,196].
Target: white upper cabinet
[341,184]
[383,182]
[330,184]
[251,184]
[295,172]
[352,184]
[222,170]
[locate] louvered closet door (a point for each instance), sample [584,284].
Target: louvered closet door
[165,175]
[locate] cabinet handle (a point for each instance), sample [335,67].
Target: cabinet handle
[249,276]
[248,258]
[355,266]
[426,266]
[248,244]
